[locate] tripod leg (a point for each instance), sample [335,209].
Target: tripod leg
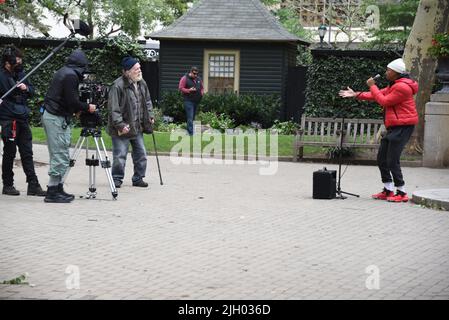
[106,164]
[76,151]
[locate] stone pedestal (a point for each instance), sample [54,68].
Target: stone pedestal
[436,132]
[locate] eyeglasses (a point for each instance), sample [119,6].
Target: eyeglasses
[195,73]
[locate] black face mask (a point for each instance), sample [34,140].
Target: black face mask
[18,68]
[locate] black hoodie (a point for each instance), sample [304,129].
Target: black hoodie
[62,98]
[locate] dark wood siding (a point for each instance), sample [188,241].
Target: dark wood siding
[263,66]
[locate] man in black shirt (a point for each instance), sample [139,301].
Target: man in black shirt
[61,103]
[14,120]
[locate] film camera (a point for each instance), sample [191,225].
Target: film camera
[96,93]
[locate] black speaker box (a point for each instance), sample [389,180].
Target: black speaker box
[324,184]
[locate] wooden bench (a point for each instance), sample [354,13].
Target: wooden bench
[325,132]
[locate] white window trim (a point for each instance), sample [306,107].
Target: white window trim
[207,53]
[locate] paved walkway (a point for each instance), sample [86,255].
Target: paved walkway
[225,232]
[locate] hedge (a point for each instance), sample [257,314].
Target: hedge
[243,109]
[104,61]
[330,74]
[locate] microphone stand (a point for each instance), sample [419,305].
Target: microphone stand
[52,53]
[340,160]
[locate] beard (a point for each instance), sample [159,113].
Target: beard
[135,78]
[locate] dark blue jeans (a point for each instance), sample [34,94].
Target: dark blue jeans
[389,154]
[190,108]
[139,155]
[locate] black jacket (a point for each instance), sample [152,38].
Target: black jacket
[14,105]
[62,98]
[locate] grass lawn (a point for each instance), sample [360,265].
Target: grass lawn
[164,144]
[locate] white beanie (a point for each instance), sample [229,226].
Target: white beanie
[397,65]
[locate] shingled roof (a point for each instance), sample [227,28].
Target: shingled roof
[241,20]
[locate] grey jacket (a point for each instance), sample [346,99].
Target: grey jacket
[121,98]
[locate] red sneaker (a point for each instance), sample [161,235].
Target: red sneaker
[383,195]
[399,197]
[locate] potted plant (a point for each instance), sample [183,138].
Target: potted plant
[440,51]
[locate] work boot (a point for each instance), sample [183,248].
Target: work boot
[65,194]
[54,196]
[10,191]
[34,189]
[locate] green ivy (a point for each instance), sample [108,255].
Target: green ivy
[328,75]
[105,62]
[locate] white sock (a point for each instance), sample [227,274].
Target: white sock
[389,186]
[402,189]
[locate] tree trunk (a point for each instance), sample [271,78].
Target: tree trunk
[431,17]
[90,19]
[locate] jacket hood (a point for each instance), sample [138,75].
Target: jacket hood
[77,59]
[411,83]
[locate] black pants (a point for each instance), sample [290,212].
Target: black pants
[23,141]
[389,155]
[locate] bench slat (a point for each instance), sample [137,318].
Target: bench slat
[326,132]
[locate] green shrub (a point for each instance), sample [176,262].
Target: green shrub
[172,104]
[168,127]
[243,108]
[334,152]
[220,122]
[287,127]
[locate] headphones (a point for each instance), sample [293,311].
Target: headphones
[9,55]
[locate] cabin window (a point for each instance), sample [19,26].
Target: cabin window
[221,71]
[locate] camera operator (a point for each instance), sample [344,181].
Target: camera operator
[16,132]
[61,103]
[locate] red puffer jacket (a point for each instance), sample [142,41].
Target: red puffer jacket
[397,102]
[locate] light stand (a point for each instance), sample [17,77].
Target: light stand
[339,191]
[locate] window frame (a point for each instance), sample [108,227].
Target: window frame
[208,53]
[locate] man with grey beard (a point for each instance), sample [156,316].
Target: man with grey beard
[130,115]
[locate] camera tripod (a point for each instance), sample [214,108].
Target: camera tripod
[339,191]
[100,157]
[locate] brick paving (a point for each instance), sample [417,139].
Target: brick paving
[225,232]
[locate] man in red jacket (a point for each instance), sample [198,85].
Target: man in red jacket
[400,118]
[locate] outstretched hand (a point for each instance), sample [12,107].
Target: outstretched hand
[349,93]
